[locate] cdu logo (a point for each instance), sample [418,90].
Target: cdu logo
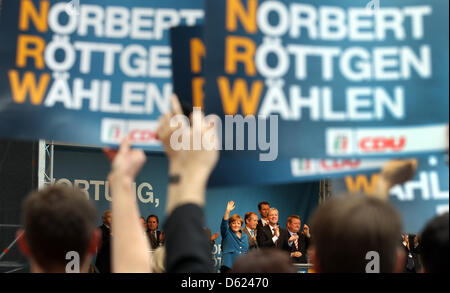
[112,130]
[114,133]
[302,167]
[339,141]
[304,164]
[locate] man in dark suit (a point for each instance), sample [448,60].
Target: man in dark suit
[155,236]
[271,235]
[263,210]
[251,221]
[297,243]
[103,261]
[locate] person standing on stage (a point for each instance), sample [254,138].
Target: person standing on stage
[234,242]
[103,260]
[271,235]
[251,221]
[298,242]
[155,236]
[263,209]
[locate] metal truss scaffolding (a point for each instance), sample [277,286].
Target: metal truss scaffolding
[46,160]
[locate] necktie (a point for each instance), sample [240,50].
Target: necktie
[252,233]
[273,234]
[296,243]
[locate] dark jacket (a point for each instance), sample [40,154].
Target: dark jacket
[155,242]
[303,244]
[187,248]
[103,260]
[264,237]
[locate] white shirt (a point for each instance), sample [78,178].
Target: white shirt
[291,242]
[250,231]
[264,222]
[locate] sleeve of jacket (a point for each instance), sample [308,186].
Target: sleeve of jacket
[224,228]
[187,247]
[307,241]
[283,241]
[106,237]
[263,239]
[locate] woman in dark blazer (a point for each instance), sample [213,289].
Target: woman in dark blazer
[234,242]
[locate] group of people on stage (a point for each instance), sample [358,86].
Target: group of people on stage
[150,225]
[238,235]
[238,239]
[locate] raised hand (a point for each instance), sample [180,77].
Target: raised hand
[394,172]
[293,238]
[127,162]
[230,206]
[399,171]
[188,154]
[306,231]
[215,236]
[169,123]
[276,230]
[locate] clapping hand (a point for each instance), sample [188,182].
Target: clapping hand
[293,238]
[276,230]
[215,236]
[306,231]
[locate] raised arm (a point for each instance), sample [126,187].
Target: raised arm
[187,248]
[130,247]
[394,172]
[230,207]
[189,166]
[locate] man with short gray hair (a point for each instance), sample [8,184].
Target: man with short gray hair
[271,235]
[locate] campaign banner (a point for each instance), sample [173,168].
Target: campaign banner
[418,200]
[188,57]
[88,72]
[331,79]
[188,65]
[251,172]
